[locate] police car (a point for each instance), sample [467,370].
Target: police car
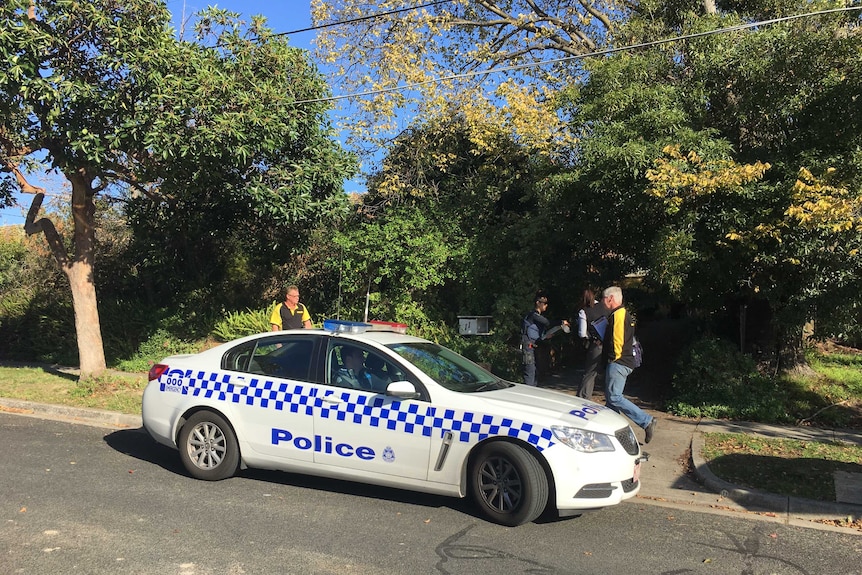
[368,403]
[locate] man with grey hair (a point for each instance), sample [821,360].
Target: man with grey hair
[291,314]
[618,347]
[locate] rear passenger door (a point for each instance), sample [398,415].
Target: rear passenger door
[275,394]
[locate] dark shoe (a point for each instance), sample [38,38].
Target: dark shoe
[649,429]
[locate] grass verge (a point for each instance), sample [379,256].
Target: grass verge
[782,466]
[114,392]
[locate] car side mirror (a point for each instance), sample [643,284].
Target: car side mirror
[402,390]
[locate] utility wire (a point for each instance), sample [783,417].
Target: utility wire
[608,51]
[363,18]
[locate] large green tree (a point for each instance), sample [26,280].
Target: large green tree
[103,93]
[435,221]
[746,144]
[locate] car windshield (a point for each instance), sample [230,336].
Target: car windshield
[452,371]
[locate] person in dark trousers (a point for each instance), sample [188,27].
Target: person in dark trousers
[591,311]
[618,347]
[533,329]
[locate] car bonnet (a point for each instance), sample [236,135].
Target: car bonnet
[547,404]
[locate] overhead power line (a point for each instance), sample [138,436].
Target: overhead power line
[363,18]
[606,52]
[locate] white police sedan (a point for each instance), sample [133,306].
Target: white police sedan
[365,402]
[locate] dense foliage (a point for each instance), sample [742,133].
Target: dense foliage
[722,173]
[219,148]
[713,379]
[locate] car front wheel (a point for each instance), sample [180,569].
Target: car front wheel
[508,484]
[208,447]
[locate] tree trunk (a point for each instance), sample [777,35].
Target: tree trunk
[790,351]
[78,268]
[91,353]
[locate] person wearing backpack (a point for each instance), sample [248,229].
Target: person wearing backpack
[619,349]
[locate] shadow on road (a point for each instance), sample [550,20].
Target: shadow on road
[138,444]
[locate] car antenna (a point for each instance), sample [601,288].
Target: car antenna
[340,272]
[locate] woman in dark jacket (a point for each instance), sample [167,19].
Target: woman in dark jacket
[591,310]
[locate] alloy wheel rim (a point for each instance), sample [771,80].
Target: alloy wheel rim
[500,484]
[207,445]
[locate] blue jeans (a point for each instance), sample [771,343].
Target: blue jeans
[615,382]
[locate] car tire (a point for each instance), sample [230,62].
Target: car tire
[208,447]
[508,484]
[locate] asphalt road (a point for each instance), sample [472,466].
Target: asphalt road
[80,499]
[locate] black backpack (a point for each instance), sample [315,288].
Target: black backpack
[637,351]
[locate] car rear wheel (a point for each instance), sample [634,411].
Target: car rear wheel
[508,484]
[208,447]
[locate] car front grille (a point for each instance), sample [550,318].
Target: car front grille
[627,439]
[629,485]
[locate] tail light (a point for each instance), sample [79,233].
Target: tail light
[156,371]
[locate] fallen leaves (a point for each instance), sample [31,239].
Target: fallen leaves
[849,522]
[18,410]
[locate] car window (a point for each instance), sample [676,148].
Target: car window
[352,366]
[237,358]
[447,368]
[280,356]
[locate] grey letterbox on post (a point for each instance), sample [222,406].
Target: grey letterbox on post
[474,324]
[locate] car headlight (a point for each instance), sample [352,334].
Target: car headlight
[582,440]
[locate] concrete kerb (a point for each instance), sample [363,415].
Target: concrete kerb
[94,417]
[791,508]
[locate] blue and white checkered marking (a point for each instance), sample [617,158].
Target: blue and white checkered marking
[358,408]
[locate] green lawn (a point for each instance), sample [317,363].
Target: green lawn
[784,466]
[115,392]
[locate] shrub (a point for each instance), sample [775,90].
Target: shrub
[159,345]
[242,323]
[44,332]
[492,352]
[713,379]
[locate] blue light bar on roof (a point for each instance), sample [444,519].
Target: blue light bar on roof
[344,326]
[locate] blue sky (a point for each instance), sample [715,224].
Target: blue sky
[282,15]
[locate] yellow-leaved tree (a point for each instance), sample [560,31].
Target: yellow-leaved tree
[727,224]
[496,65]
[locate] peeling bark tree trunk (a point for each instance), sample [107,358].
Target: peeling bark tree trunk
[78,269]
[91,353]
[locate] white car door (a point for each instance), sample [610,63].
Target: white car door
[360,428]
[277,404]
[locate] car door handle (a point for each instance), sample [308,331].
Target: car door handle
[331,399]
